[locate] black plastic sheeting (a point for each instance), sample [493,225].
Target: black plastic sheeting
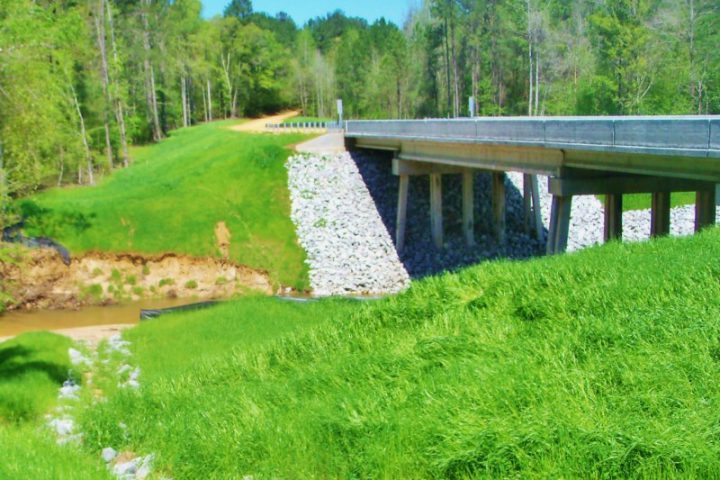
[13,234]
[150,314]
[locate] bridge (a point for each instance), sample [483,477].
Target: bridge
[609,156]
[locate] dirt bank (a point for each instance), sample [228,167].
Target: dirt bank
[40,279]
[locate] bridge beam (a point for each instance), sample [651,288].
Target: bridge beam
[559,224]
[401,223]
[531,204]
[499,206]
[436,217]
[613,217]
[468,206]
[705,209]
[660,214]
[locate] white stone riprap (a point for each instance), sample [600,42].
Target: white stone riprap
[62,422]
[587,222]
[349,249]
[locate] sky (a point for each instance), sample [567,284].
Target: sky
[302,10]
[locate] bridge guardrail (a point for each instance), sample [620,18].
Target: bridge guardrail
[687,135]
[330,126]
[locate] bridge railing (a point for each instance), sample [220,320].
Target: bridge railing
[329,126]
[694,136]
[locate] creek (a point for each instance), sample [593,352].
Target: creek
[16,322]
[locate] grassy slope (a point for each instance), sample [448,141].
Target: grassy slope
[597,364]
[32,368]
[175,194]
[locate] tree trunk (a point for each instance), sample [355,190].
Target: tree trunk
[537,82]
[183,94]
[456,73]
[209,97]
[83,136]
[447,65]
[119,113]
[151,96]
[100,32]
[62,167]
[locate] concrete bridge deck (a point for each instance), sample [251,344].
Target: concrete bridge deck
[581,155]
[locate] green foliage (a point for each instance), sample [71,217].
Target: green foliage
[600,364]
[174,195]
[191,284]
[93,292]
[33,366]
[30,452]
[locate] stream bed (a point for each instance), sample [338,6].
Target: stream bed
[17,322]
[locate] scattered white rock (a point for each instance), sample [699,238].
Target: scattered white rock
[69,391]
[109,454]
[78,359]
[62,426]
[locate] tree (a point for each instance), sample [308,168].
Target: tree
[240,9]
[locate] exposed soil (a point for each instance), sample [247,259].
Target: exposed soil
[258,125]
[42,281]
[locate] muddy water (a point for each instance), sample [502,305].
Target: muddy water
[15,323]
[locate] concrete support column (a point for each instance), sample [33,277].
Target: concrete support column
[660,214]
[531,205]
[468,206]
[559,224]
[498,206]
[436,219]
[527,203]
[613,217]
[705,209]
[401,213]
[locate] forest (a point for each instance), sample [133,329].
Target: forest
[81,81]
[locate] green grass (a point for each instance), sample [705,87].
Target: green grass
[307,119]
[176,192]
[600,364]
[33,366]
[29,452]
[642,201]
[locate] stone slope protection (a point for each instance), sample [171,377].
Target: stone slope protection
[349,250]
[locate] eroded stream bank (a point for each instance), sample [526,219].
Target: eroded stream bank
[40,280]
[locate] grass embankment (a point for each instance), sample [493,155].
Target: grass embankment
[33,366]
[174,195]
[599,364]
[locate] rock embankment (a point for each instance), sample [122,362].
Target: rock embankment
[349,249]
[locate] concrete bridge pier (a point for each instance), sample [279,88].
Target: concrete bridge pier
[613,187]
[404,169]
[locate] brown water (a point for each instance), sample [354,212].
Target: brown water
[15,323]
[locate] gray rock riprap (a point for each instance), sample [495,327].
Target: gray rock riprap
[349,250]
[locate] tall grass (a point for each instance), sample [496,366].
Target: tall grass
[174,195]
[33,367]
[601,364]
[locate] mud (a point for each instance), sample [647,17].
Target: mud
[40,279]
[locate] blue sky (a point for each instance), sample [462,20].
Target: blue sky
[302,10]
